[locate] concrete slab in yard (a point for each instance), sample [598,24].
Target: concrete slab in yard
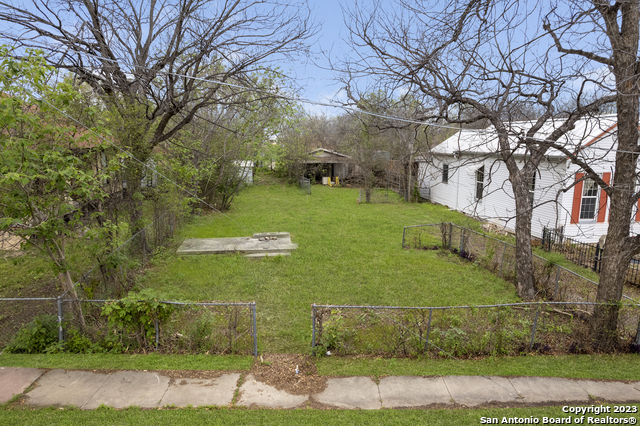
[127,388]
[60,387]
[197,392]
[409,391]
[548,389]
[260,394]
[612,391]
[351,392]
[264,243]
[15,380]
[477,390]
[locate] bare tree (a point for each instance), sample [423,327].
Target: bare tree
[471,62]
[617,28]
[156,64]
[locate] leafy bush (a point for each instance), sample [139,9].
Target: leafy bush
[77,343]
[135,316]
[36,336]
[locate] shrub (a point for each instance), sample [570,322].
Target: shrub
[35,336]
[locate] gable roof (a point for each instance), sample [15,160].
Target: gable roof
[322,155]
[485,141]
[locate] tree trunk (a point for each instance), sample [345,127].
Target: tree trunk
[620,247]
[67,285]
[133,199]
[524,255]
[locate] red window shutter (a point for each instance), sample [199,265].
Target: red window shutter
[602,208]
[577,197]
[638,212]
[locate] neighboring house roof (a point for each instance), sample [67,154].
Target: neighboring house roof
[322,155]
[485,141]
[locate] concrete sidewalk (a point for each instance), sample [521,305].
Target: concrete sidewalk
[88,390]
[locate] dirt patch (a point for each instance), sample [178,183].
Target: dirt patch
[279,371]
[172,374]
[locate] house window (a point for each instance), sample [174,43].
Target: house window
[479,183]
[589,203]
[532,188]
[445,173]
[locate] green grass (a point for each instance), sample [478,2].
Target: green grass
[27,275]
[128,362]
[310,417]
[614,367]
[348,254]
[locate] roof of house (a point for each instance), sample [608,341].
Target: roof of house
[322,155]
[485,141]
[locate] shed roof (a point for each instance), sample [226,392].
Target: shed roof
[322,155]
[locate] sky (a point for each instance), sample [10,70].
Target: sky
[314,81]
[311,77]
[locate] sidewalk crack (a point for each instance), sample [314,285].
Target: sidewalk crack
[448,391]
[97,390]
[165,391]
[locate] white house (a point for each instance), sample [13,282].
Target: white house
[467,174]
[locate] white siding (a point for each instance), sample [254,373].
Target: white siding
[497,205]
[553,205]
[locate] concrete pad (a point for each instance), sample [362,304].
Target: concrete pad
[548,389]
[260,394]
[478,390]
[127,388]
[60,387]
[351,392]
[263,255]
[14,380]
[197,392]
[409,391]
[274,242]
[612,391]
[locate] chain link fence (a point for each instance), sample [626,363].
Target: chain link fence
[123,326]
[378,196]
[16,312]
[115,270]
[553,282]
[462,331]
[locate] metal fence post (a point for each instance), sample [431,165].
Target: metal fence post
[313,326]
[557,281]
[450,233]
[157,331]
[638,332]
[403,232]
[426,343]
[461,241]
[504,250]
[535,325]
[255,329]
[60,331]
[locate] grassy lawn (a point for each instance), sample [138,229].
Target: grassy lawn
[225,416]
[127,362]
[614,367]
[348,253]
